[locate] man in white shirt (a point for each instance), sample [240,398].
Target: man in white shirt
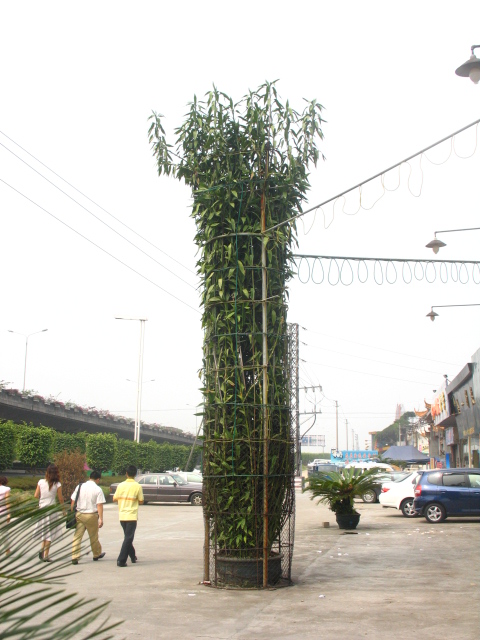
[89,516]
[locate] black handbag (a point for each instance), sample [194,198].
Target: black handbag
[71,521]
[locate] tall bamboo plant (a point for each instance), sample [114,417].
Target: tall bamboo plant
[247,165]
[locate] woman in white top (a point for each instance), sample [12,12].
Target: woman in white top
[47,491]
[4,506]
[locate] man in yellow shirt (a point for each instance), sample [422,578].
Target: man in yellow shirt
[129,495]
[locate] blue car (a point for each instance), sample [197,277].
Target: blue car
[447,492]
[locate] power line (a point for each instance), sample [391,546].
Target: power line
[369,346]
[377,175]
[350,355]
[96,203]
[365,373]
[96,217]
[98,246]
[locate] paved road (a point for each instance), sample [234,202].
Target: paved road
[396,578]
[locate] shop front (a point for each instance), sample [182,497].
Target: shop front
[463,394]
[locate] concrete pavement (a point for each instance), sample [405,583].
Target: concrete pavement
[395,578]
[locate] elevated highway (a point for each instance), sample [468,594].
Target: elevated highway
[71,418]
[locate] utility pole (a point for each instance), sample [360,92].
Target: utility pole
[138,414]
[346,432]
[336,424]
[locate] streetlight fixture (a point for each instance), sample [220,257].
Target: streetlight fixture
[437,244]
[432,315]
[26,349]
[470,68]
[142,321]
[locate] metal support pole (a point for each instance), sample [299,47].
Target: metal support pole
[25,365]
[136,433]
[265,384]
[294,343]
[139,385]
[336,424]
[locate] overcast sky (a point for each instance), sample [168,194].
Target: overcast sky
[78,82]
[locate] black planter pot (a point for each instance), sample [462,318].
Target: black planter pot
[347,521]
[247,572]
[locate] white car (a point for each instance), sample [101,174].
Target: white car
[400,494]
[317,461]
[189,476]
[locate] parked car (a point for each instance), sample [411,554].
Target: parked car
[167,487]
[399,494]
[372,495]
[318,461]
[447,492]
[324,467]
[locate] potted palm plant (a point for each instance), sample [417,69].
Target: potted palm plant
[337,489]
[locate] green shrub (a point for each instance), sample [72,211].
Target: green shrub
[70,442]
[34,445]
[101,451]
[164,458]
[146,452]
[125,454]
[7,444]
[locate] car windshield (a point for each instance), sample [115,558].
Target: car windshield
[178,479]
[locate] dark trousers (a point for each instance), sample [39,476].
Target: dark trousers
[127,550]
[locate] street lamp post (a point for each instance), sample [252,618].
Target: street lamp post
[432,315]
[470,68]
[437,244]
[142,321]
[26,349]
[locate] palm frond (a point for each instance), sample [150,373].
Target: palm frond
[34,605]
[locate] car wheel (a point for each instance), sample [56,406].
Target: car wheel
[407,508]
[196,499]
[435,513]
[369,496]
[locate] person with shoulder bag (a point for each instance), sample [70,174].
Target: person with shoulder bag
[88,500]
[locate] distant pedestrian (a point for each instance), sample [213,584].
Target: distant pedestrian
[129,495]
[5,507]
[89,516]
[47,529]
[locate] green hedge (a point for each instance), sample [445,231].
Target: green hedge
[101,451]
[37,446]
[125,454]
[70,442]
[34,445]
[7,444]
